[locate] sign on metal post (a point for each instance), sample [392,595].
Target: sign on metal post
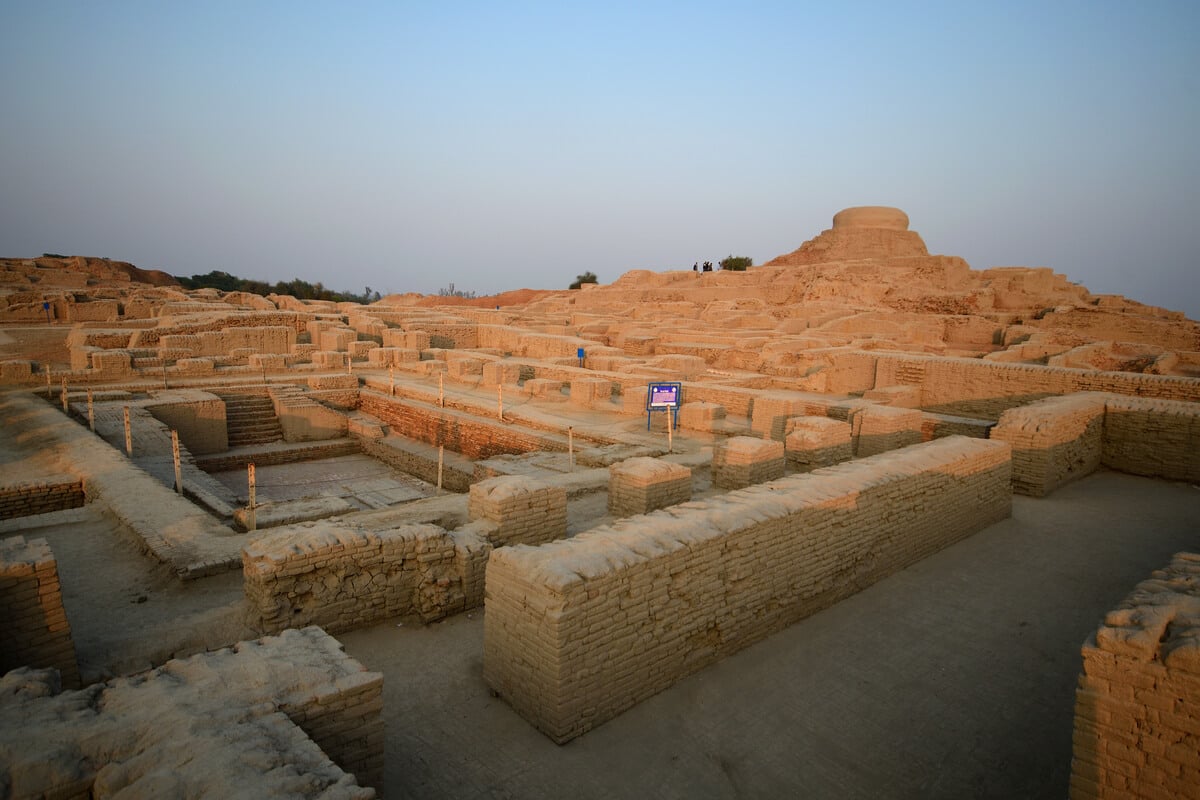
[579,353]
[664,397]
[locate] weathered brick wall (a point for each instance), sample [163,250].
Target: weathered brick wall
[987,388]
[287,715]
[35,631]
[772,410]
[579,630]
[40,496]
[342,578]
[813,442]
[302,419]
[1159,438]
[520,510]
[743,460]
[883,428]
[1054,441]
[421,460]
[467,434]
[1137,706]
[641,485]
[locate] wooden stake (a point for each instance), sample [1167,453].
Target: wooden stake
[441,391]
[66,406]
[49,390]
[251,517]
[441,456]
[175,458]
[91,413]
[571,447]
[392,380]
[500,400]
[128,435]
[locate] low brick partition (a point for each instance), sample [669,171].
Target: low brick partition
[39,495]
[579,630]
[1054,441]
[520,510]
[743,460]
[1157,438]
[701,416]
[814,442]
[35,631]
[641,485]
[884,428]
[420,460]
[284,716]
[1137,706]
[342,577]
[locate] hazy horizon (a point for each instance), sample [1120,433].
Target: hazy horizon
[405,148]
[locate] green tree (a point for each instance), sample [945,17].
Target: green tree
[580,280]
[736,263]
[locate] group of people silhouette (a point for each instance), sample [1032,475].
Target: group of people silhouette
[706,268]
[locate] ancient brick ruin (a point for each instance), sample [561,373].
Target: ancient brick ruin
[848,409]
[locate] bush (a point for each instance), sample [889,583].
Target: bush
[580,280]
[736,263]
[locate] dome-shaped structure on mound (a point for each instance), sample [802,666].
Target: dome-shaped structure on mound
[886,217]
[860,232]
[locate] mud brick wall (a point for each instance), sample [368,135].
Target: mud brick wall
[343,578]
[579,630]
[302,419]
[700,416]
[287,715]
[452,334]
[1054,441]
[743,460]
[973,387]
[421,461]
[1159,438]
[522,510]
[814,442]
[35,631]
[1137,705]
[641,485]
[883,428]
[40,496]
[771,412]
[472,436]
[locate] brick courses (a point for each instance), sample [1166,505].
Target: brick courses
[35,631]
[579,630]
[1137,706]
[641,485]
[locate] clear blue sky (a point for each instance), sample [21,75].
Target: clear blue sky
[503,145]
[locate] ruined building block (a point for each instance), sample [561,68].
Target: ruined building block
[744,460]
[770,413]
[392,356]
[1137,703]
[464,369]
[360,350]
[639,345]
[498,372]
[327,359]
[113,362]
[545,389]
[884,428]
[590,391]
[285,716]
[35,631]
[701,416]
[417,340]
[814,442]
[521,510]
[194,366]
[15,371]
[895,396]
[578,631]
[268,361]
[1054,441]
[640,485]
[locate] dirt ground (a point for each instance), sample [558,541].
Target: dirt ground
[953,678]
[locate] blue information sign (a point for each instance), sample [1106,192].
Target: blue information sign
[664,397]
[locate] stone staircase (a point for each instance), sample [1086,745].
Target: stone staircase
[250,419]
